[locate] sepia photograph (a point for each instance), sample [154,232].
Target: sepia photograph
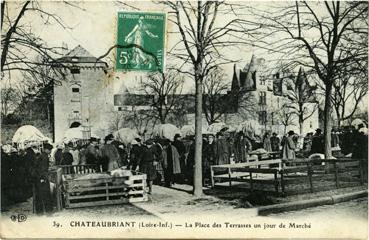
[188,119]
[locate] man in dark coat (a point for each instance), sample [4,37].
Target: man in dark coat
[147,164]
[67,157]
[242,147]
[317,142]
[41,186]
[109,154]
[92,153]
[58,156]
[178,144]
[135,154]
[208,157]
[275,142]
[223,151]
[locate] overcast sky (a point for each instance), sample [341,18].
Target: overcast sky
[94,28]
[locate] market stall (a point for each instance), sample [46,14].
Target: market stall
[27,136]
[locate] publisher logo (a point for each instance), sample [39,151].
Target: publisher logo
[18,218]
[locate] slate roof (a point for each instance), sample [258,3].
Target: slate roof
[79,55]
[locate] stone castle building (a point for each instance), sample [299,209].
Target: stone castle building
[86,96]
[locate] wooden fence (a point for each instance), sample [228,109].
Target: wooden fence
[281,173]
[80,169]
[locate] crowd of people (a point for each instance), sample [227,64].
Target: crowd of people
[164,161]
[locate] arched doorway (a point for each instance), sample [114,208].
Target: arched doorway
[75,125]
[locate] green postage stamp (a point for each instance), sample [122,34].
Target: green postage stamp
[141,41]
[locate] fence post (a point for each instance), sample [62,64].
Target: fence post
[276,181]
[282,183]
[310,175]
[212,176]
[230,176]
[336,173]
[361,171]
[251,184]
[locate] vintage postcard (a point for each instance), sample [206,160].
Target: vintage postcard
[184,119]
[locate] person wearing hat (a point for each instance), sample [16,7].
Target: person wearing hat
[135,154]
[172,164]
[41,185]
[92,152]
[241,147]
[109,154]
[288,149]
[275,142]
[179,145]
[317,142]
[67,157]
[147,163]
[222,150]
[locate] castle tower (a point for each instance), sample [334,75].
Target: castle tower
[83,95]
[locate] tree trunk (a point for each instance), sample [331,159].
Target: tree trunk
[339,122]
[327,122]
[301,125]
[197,181]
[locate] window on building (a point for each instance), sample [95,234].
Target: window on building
[120,109]
[272,116]
[262,98]
[289,87]
[75,115]
[262,80]
[75,71]
[75,94]
[262,117]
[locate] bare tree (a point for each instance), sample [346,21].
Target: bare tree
[216,101]
[301,98]
[140,120]
[348,92]
[285,117]
[200,49]
[166,89]
[9,101]
[21,47]
[318,36]
[116,120]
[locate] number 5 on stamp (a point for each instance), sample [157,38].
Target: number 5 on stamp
[141,41]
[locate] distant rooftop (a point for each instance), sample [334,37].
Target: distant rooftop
[79,55]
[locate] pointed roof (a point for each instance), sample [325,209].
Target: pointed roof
[303,87]
[79,55]
[79,51]
[235,81]
[301,80]
[249,81]
[252,65]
